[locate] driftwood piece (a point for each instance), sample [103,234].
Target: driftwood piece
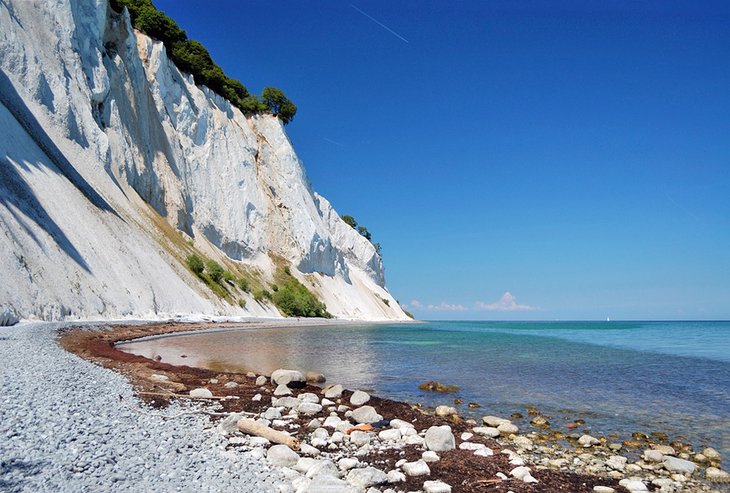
[251,427]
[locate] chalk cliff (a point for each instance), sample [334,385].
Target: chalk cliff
[114,166]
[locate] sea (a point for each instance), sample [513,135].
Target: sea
[620,377]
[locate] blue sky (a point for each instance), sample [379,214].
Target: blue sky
[516,160]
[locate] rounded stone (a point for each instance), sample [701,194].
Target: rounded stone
[487,431]
[291,378]
[436,487]
[201,393]
[440,438]
[366,477]
[365,414]
[282,456]
[359,398]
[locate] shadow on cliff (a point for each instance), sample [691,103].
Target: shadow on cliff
[15,191]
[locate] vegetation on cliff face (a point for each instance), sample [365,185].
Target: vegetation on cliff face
[350,221]
[192,57]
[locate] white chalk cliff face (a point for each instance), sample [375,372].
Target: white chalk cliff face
[114,165]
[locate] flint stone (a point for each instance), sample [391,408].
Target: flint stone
[484,452]
[282,456]
[430,456]
[587,440]
[347,463]
[287,402]
[366,477]
[653,456]
[359,438]
[711,453]
[281,389]
[290,378]
[323,468]
[327,484]
[332,421]
[487,431]
[603,489]
[414,440]
[494,421]
[229,424]
[617,462]
[523,442]
[309,408]
[395,476]
[508,428]
[681,466]
[261,380]
[308,397]
[440,438]
[471,446]
[400,424]
[436,487]
[665,449]
[417,468]
[305,464]
[391,435]
[307,449]
[333,391]
[717,475]
[520,472]
[201,392]
[320,433]
[633,485]
[359,398]
[365,414]
[272,413]
[231,385]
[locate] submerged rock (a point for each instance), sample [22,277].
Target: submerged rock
[433,386]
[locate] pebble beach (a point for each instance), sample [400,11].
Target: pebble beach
[72,425]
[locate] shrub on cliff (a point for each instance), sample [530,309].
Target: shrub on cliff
[293,299]
[214,270]
[195,264]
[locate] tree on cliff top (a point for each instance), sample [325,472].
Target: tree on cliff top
[192,57]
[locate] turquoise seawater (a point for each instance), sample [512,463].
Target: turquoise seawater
[620,377]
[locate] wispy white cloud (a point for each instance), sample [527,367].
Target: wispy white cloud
[507,303]
[441,307]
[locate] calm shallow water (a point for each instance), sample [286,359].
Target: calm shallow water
[620,377]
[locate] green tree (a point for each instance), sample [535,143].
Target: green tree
[350,221]
[279,105]
[364,231]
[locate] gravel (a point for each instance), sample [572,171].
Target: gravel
[64,428]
